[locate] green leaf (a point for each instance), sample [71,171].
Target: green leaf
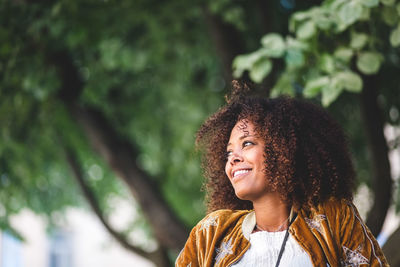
[234,16]
[294,58]
[292,43]
[369,3]
[349,80]
[336,4]
[314,86]
[398,8]
[323,21]
[365,15]
[388,2]
[350,12]
[358,40]
[283,86]
[244,62]
[296,18]
[273,44]
[55,10]
[369,62]
[343,54]
[330,93]
[301,15]
[327,63]
[260,69]
[306,30]
[389,15]
[395,36]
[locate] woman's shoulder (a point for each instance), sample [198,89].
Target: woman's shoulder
[222,217]
[228,212]
[335,204]
[332,208]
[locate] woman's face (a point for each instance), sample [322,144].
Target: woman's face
[245,162]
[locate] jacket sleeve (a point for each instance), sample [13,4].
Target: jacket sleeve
[359,247]
[188,255]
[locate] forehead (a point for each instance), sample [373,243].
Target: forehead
[241,129]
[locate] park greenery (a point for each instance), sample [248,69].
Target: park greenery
[102,99]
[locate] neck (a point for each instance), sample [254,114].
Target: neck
[271,213]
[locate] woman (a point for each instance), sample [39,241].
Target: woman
[279,190]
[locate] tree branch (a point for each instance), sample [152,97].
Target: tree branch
[72,82]
[381,177]
[120,154]
[93,202]
[227,41]
[391,248]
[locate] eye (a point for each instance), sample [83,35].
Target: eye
[228,154]
[247,143]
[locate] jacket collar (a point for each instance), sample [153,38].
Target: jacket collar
[249,223]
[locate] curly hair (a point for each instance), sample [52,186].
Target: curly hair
[306,155]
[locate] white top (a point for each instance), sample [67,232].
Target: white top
[264,250]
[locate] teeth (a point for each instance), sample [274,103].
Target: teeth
[236,173]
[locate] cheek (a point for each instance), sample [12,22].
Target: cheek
[227,169]
[260,160]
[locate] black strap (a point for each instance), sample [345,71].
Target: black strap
[284,242]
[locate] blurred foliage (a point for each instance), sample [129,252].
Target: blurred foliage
[155,78]
[328,49]
[152,68]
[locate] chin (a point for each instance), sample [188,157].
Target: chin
[250,194]
[242,195]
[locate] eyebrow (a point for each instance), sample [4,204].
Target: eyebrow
[241,138]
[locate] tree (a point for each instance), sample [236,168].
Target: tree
[95,93]
[83,96]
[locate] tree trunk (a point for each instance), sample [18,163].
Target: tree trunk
[391,249]
[158,257]
[227,41]
[120,155]
[372,117]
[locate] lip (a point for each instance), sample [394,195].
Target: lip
[240,175]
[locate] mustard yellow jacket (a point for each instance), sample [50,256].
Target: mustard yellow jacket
[333,234]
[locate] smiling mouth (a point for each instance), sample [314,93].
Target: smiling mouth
[240,172]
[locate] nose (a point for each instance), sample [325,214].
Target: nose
[236,158]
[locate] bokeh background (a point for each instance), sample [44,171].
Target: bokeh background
[100,101]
